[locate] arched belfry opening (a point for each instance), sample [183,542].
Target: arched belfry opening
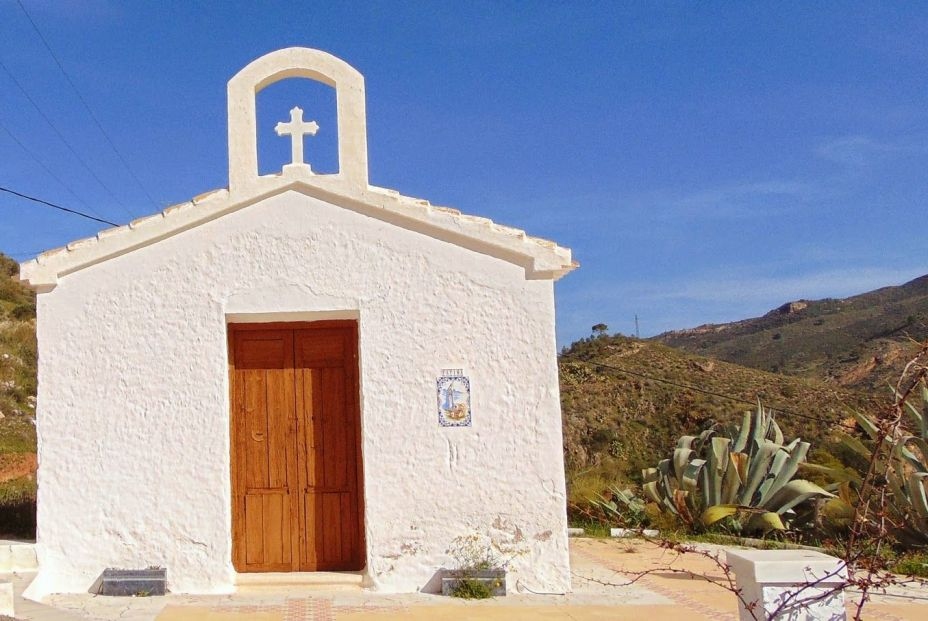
[275,105]
[299,127]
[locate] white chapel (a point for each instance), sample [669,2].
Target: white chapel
[300,373]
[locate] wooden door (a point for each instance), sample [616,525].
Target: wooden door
[296,473]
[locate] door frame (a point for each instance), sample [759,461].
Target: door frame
[234,327]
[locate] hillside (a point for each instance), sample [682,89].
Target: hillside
[859,342]
[617,423]
[17,403]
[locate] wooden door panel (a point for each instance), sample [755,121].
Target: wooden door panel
[268,527]
[264,450]
[326,368]
[331,519]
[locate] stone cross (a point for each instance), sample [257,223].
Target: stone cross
[296,129]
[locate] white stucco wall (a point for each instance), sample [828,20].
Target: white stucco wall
[133,404]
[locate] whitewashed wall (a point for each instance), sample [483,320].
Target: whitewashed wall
[133,405]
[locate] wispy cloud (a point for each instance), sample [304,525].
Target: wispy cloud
[746,199]
[773,289]
[858,151]
[712,297]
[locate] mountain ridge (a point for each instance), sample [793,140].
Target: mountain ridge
[860,341]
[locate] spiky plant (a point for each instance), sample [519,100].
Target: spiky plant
[906,462]
[624,507]
[720,473]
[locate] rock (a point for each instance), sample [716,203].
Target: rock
[791,307]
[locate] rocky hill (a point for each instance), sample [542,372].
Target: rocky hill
[17,403]
[626,401]
[859,342]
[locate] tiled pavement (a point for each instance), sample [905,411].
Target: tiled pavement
[601,591]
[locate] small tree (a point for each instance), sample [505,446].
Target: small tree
[600,329]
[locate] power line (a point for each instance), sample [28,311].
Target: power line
[59,207]
[61,137]
[85,104]
[704,391]
[42,165]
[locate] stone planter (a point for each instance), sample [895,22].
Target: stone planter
[494,578]
[788,584]
[633,532]
[144,582]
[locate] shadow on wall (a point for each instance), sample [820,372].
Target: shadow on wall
[433,585]
[17,520]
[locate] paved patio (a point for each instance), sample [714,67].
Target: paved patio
[661,595]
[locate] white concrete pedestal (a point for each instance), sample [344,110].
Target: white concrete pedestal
[797,585]
[6,598]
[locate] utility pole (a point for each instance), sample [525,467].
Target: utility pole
[637,335]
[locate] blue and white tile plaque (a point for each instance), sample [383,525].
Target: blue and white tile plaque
[454,399]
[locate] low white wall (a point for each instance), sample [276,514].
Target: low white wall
[133,412]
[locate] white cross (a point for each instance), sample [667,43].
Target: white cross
[296,128]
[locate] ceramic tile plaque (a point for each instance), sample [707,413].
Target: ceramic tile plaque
[453,399]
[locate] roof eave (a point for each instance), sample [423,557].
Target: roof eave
[542,259]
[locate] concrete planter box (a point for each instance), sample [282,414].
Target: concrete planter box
[633,532]
[494,578]
[122,582]
[789,584]
[6,598]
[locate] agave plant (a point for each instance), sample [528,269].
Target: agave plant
[907,467]
[624,507]
[746,469]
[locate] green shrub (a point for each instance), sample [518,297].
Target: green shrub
[912,564]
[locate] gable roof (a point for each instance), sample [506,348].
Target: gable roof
[541,258]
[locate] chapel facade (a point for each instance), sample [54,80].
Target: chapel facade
[299,373]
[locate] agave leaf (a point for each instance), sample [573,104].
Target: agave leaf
[786,471]
[777,432]
[691,474]
[680,503]
[904,454]
[718,512]
[917,417]
[686,442]
[856,446]
[650,490]
[766,521]
[921,418]
[759,469]
[776,468]
[740,461]
[732,481]
[758,428]
[743,434]
[665,468]
[704,437]
[715,473]
[915,486]
[839,475]
[868,426]
[794,493]
[681,457]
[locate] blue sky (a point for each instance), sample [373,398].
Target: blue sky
[705,161]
